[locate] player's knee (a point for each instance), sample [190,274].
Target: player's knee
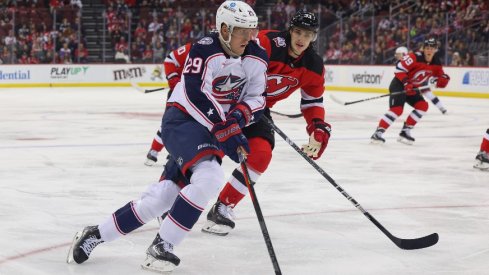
[157,198]
[260,154]
[207,178]
[397,110]
[421,105]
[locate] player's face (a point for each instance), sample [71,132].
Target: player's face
[300,39]
[399,56]
[429,52]
[240,38]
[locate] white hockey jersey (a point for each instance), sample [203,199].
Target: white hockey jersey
[212,81]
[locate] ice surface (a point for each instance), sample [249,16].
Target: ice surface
[70,157]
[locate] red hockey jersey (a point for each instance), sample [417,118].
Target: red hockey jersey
[286,74]
[174,62]
[414,68]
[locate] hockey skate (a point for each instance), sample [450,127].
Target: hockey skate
[160,257]
[377,137]
[482,161]
[219,219]
[151,158]
[405,135]
[83,244]
[443,110]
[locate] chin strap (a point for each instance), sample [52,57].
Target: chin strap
[227,45]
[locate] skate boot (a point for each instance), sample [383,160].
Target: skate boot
[83,244]
[377,137]
[160,257]
[219,219]
[405,135]
[443,110]
[482,161]
[151,158]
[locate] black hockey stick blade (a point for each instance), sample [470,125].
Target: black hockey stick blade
[419,243]
[145,91]
[406,244]
[286,115]
[154,90]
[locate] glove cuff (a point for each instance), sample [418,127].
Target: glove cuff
[319,124]
[242,113]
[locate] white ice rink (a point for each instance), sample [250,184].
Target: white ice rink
[70,157]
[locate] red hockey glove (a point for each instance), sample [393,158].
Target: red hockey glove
[442,81]
[319,133]
[230,137]
[409,88]
[172,82]
[242,113]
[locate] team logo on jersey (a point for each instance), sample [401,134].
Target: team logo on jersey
[421,77]
[227,89]
[279,84]
[205,41]
[279,42]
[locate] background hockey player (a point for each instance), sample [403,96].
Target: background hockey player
[482,158]
[413,71]
[173,65]
[294,65]
[400,53]
[426,88]
[221,92]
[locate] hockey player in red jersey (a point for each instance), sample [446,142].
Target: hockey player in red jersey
[173,65]
[293,65]
[482,158]
[411,72]
[425,89]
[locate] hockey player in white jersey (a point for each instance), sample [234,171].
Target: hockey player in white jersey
[221,91]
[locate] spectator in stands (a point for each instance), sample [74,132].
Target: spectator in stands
[10,40]
[136,55]
[81,54]
[64,52]
[77,3]
[33,60]
[121,8]
[140,31]
[23,48]
[196,33]
[148,54]
[154,26]
[158,53]
[36,49]
[456,60]
[54,5]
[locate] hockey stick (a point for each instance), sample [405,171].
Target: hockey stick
[286,115]
[145,91]
[407,244]
[335,99]
[261,220]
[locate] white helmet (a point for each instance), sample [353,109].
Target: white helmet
[236,14]
[402,50]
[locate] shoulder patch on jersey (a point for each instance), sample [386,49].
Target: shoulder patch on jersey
[205,41]
[279,41]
